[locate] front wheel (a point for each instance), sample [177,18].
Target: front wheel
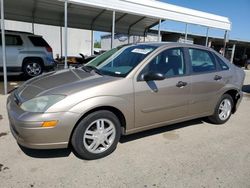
[97,135]
[223,110]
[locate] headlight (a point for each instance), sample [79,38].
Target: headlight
[41,104]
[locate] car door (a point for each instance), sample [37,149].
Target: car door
[14,45]
[159,101]
[206,82]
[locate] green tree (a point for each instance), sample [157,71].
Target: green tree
[97,44]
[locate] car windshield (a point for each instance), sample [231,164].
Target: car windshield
[100,58]
[125,60]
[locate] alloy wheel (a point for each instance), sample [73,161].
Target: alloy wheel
[99,136]
[225,109]
[33,69]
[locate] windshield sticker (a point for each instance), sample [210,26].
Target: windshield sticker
[117,72]
[142,51]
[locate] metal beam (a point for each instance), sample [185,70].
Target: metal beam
[33,15]
[61,42]
[33,27]
[92,42]
[136,22]
[186,31]
[4,49]
[232,55]
[159,31]
[225,43]
[122,16]
[154,24]
[207,36]
[113,30]
[65,34]
[95,18]
[145,34]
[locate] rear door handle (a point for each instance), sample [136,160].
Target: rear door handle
[181,84]
[217,77]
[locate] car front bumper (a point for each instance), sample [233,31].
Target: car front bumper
[27,127]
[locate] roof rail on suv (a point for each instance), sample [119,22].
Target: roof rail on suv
[22,32]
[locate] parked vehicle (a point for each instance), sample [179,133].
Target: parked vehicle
[26,53]
[140,87]
[242,62]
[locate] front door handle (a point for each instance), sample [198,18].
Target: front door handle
[181,84]
[217,77]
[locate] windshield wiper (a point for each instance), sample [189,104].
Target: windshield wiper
[91,68]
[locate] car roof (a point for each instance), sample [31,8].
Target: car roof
[172,44]
[20,32]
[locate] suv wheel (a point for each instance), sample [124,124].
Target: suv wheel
[32,68]
[97,135]
[223,110]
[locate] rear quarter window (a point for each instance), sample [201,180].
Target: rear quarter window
[38,41]
[222,64]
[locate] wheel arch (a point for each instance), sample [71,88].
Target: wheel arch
[112,109]
[234,93]
[39,59]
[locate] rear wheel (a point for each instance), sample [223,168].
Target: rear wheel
[223,110]
[32,68]
[97,135]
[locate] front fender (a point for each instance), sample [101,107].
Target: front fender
[126,107]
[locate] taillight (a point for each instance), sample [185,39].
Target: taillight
[49,49]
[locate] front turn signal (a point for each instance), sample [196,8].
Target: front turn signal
[50,123]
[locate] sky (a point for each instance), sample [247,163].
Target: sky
[238,12]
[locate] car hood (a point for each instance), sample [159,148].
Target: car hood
[63,82]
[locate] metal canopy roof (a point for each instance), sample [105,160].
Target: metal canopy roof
[133,17]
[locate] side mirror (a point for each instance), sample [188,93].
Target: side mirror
[150,76]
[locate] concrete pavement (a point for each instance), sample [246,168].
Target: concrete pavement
[190,154]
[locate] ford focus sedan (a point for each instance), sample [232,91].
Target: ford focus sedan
[139,87]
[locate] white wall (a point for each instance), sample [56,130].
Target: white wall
[123,39]
[79,40]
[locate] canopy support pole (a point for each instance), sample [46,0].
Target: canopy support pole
[145,34]
[186,31]
[232,55]
[207,36]
[61,42]
[4,48]
[65,34]
[33,28]
[113,31]
[159,31]
[225,43]
[92,42]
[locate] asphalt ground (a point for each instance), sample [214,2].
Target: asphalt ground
[189,154]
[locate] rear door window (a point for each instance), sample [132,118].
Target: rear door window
[38,41]
[201,61]
[12,40]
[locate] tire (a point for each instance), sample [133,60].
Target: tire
[97,135]
[32,68]
[223,110]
